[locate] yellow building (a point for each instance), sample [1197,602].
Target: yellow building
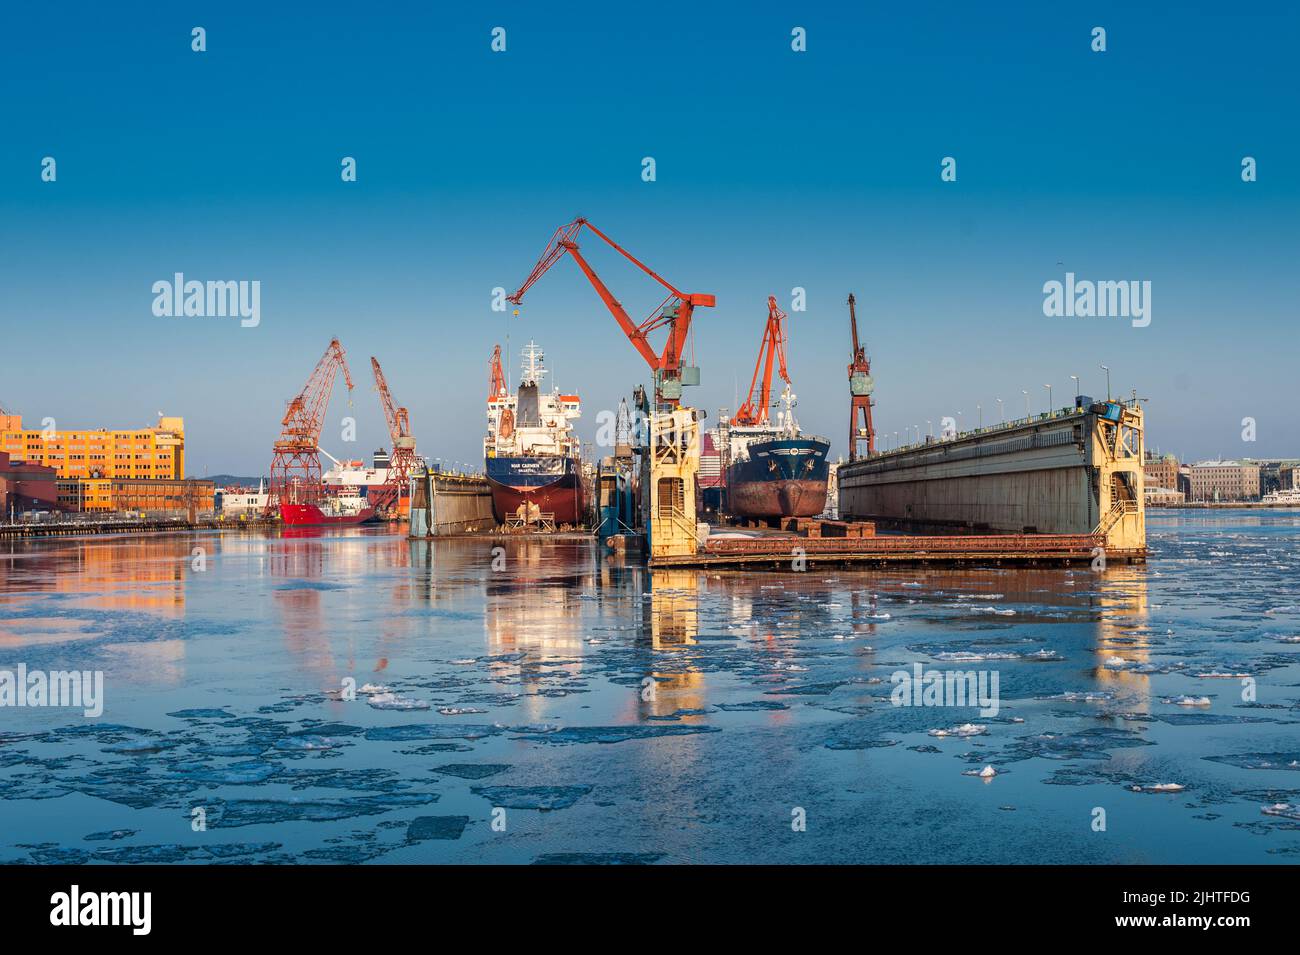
[143,453]
[151,496]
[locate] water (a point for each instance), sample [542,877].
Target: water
[518,697]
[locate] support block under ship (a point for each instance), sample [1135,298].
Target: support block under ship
[532,458]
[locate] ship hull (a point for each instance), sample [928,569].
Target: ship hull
[552,485]
[299,515]
[784,477]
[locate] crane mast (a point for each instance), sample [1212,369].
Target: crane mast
[295,463]
[860,388]
[674,312]
[773,345]
[402,462]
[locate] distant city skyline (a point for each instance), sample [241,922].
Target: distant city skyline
[775,170]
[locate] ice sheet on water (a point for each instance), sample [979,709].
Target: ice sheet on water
[471,770]
[612,734]
[598,858]
[391,701]
[436,827]
[532,797]
[400,734]
[233,813]
[753,705]
[234,774]
[202,714]
[308,743]
[1287,762]
[110,835]
[1209,719]
[964,730]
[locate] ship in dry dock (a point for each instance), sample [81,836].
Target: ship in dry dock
[531,455]
[771,468]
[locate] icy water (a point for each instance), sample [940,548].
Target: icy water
[546,704]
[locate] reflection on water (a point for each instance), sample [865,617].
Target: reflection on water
[670,715]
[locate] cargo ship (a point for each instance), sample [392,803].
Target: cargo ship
[532,458]
[774,470]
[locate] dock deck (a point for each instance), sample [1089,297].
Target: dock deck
[948,550]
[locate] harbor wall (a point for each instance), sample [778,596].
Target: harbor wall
[461,504]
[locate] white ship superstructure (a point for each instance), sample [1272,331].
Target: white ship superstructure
[530,422]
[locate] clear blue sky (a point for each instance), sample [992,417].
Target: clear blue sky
[776,169]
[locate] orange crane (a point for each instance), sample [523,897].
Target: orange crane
[674,311]
[295,465]
[773,344]
[860,388]
[388,498]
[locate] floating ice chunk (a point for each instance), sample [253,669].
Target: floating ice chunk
[965,729]
[1187,700]
[391,701]
[968,656]
[1220,675]
[457,710]
[1159,788]
[988,772]
[373,688]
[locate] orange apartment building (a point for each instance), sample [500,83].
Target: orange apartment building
[141,469]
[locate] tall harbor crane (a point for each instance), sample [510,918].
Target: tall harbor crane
[295,464]
[496,376]
[773,344]
[674,311]
[860,388]
[402,462]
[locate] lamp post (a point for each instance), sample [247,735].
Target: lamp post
[1049,398]
[1107,371]
[979,409]
[1026,394]
[1001,412]
[1076,388]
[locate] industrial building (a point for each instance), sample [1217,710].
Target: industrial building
[25,487]
[139,453]
[153,497]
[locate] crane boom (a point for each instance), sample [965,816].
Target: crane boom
[674,311]
[295,463]
[773,344]
[402,461]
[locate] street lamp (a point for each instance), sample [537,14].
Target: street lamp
[980,410]
[929,428]
[1001,413]
[1026,394]
[1107,371]
[1076,388]
[1049,398]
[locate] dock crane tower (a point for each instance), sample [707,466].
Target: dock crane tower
[674,311]
[773,345]
[860,388]
[388,498]
[295,464]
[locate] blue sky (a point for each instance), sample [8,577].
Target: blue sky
[775,169]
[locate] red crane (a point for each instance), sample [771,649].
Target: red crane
[403,461]
[773,344]
[295,466]
[674,311]
[860,388]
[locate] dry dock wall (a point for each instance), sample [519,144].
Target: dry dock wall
[460,505]
[1070,473]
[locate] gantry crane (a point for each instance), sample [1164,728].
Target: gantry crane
[674,311]
[860,388]
[773,344]
[388,498]
[295,465]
